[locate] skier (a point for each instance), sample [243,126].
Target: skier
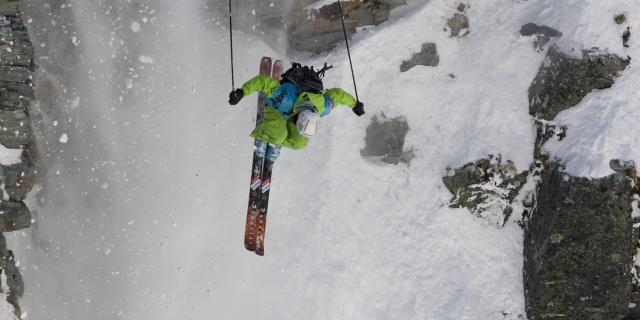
[294,105]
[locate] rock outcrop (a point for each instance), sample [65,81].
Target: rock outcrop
[319,30]
[579,240]
[621,19]
[625,37]
[541,34]
[310,25]
[487,188]
[563,81]
[578,247]
[458,25]
[544,132]
[428,56]
[384,139]
[14,284]
[17,177]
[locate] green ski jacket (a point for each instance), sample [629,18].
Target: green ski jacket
[278,127]
[323,103]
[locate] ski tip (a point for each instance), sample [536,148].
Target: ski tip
[276,71]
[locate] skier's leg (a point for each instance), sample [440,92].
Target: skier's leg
[261,148]
[272,129]
[273,152]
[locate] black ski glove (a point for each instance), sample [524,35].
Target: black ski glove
[235,96]
[358,109]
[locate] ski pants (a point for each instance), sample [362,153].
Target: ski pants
[277,130]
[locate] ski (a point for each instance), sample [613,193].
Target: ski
[272,153]
[256,170]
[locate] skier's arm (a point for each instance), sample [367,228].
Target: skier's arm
[340,96]
[260,83]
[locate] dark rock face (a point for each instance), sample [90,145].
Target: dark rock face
[544,132]
[563,81]
[428,56]
[457,24]
[579,242]
[16,122]
[13,36]
[19,178]
[14,216]
[578,248]
[487,188]
[625,37]
[542,34]
[308,26]
[530,29]
[385,139]
[14,278]
[321,30]
[16,95]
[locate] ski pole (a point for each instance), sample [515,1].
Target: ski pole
[233,86]
[344,30]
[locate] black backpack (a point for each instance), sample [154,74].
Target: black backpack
[306,78]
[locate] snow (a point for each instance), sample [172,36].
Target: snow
[358,239]
[135,26]
[6,309]
[9,156]
[75,103]
[319,4]
[4,21]
[64,138]
[603,126]
[145,59]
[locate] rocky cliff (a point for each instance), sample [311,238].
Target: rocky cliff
[579,247]
[310,25]
[17,153]
[579,241]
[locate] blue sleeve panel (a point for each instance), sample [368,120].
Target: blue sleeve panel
[328,106]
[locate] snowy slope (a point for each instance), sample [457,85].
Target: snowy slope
[604,125]
[7,311]
[145,219]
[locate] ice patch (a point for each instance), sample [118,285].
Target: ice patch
[9,156]
[64,138]
[4,22]
[5,195]
[319,4]
[74,103]
[145,59]
[135,26]
[6,309]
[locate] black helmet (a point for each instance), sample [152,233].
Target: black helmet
[306,78]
